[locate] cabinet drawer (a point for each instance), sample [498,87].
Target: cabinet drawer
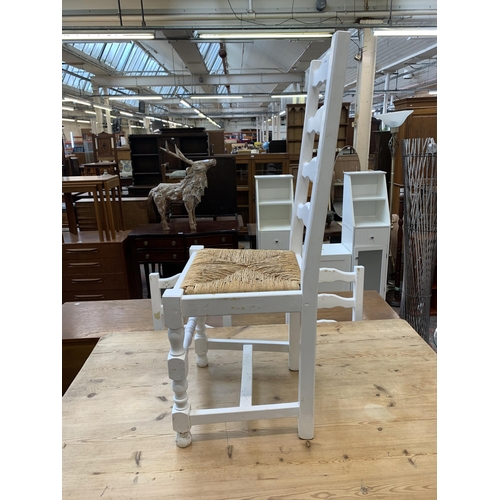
[213,240]
[91,252]
[93,266]
[144,255]
[94,282]
[71,296]
[166,243]
[273,240]
[372,237]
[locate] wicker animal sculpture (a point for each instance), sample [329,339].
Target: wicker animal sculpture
[189,190]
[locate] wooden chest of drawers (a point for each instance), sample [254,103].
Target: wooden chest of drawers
[152,249]
[93,269]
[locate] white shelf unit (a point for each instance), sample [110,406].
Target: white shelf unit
[273,201]
[366,225]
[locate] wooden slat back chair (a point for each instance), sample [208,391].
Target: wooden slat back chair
[243,281]
[329,300]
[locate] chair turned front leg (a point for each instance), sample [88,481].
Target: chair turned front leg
[177,372]
[177,365]
[201,342]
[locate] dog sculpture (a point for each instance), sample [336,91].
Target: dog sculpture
[189,190]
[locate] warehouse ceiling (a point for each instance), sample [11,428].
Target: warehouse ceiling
[178,63]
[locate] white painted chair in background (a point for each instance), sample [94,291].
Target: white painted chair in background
[233,281]
[329,300]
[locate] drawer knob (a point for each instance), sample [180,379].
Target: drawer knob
[174,243]
[195,242]
[372,237]
[146,256]
[223,239]
[146,243]
[174,256]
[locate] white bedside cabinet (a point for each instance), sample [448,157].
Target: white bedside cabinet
[273,201]
[366,225]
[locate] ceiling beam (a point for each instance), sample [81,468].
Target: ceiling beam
[186,81]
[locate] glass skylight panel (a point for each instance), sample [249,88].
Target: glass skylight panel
[76,77]
[116,54]
[210,54]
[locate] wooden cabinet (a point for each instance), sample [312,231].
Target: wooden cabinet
[93,269]
[149,162]
[295,123]
[247,167]
[274,203]
[366,225]
[422,123]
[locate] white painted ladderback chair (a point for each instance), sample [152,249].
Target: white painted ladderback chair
[242,281]
[329,300]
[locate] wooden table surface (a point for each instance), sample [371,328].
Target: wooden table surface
[375,421]
[83,323]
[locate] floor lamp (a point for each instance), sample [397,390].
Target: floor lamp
[393,121]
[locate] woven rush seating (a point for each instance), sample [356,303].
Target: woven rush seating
[231,271]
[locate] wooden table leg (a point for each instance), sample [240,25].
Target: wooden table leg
[70,212]
[98,218]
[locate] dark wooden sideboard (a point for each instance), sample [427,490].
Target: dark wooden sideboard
[151,249]
[93,269]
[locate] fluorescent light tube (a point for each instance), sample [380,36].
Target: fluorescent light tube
[107,36]
[78,101]
[100,106]
[260,34]
[91,112]
[125,113]
[405,32]
[66,108]
[221,96]
[136,97]
[284,96]
[184,103]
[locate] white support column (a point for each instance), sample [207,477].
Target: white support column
[108,114]
[98,117]
[364,98]
[386,94]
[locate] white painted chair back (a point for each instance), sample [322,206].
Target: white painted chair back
[326,77]
[329,300]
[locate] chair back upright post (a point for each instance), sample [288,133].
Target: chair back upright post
[329,73]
